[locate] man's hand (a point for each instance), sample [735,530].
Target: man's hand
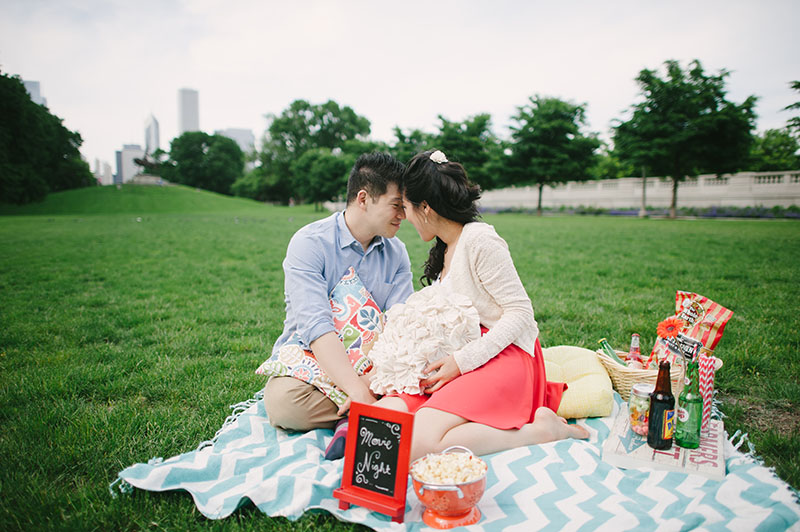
[366,378]
[367,398]
[443,371]
[332,358]
[345,407]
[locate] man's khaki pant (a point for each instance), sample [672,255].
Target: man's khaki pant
[292,404]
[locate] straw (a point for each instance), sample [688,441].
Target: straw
[707,364]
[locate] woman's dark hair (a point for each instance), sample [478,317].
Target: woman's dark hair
[447,189]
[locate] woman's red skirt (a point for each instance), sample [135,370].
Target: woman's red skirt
[503,393]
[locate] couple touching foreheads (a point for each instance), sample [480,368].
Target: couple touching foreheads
[491,394]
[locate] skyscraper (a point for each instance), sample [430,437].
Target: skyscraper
[243,137]
[126,168]
[102,171]
[151,135]
[34,90]
[188,111]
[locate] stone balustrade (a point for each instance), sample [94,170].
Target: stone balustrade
[744,189]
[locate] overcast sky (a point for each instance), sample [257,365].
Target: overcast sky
[105,65]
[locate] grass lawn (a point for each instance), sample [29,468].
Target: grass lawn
[131,319]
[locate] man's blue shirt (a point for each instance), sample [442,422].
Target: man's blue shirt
[318,256]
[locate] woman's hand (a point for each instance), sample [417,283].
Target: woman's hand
[443,371]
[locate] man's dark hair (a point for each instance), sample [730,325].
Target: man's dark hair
[373,172]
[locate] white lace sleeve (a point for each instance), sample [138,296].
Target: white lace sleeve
[430,325]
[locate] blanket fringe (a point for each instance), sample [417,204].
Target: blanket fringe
[238,410]
[716,412]
[120,486]
[740,439]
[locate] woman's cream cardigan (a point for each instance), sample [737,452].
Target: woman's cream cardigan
[482,269]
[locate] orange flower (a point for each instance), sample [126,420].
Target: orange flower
[670,327]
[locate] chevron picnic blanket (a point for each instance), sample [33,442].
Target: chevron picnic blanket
[562,485]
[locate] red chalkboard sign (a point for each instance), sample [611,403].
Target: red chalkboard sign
[376,457]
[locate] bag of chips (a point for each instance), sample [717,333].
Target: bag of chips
[697,325]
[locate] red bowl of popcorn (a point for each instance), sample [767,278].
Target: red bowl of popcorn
[449,484]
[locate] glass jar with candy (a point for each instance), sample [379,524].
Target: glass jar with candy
[639,407]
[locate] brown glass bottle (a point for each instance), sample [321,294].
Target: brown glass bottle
[661,423]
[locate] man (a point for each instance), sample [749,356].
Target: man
[362,236]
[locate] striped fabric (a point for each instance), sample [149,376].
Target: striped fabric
[556,486]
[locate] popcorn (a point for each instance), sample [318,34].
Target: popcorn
[449,468]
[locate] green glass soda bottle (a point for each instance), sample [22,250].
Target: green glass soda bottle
[690,410]
[610,352]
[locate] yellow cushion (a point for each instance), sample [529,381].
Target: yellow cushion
[590,393]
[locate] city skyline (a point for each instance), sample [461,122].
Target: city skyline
[396,67]
[152,135]
[34,89]
[188,110]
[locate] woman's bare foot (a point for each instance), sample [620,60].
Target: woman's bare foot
[548,426]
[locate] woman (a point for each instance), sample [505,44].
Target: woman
[492,394]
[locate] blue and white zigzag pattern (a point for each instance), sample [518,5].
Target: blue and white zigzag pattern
[557,486]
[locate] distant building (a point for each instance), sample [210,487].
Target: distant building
[106,175]
[118,173]
[102,172]
[151,135]
[35,91]
[126,168]
[188,111]
[244,138]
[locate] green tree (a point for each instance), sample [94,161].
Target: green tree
[210,162]
[498,165]
[152,164]
[38,154]
[685,126]
[775,149]
[320,176]
[609,166]
[408,145]
[793,123]
[253,184]
[351,149]
[270,180]
[473,144]
[548,145]
[300,127]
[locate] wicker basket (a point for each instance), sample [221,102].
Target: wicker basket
[623,378]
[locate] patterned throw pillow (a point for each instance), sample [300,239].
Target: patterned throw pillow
[358,322]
